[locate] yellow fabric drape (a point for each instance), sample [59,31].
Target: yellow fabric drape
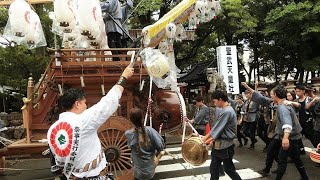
[154,29]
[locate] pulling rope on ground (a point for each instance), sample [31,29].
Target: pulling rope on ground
[16,169]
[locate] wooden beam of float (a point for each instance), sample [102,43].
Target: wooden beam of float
[154,33]
[8,2]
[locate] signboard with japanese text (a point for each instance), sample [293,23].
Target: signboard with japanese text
[228,66]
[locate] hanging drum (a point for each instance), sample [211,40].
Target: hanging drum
[166,109]
[194,152]
[315,156]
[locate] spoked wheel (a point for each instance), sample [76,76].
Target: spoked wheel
[117,152]
[114,143]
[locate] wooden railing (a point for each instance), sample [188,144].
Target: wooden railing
[65,67]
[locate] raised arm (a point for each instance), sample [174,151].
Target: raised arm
[257,97]
[96,115]
[247,87]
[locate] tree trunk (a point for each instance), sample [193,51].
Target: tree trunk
[250,73]
[256,62]
[301,75]
[296,76]
[228,38]
[287,74]
[275,71]
[313,74]
[307,74]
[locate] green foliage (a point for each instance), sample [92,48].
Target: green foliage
[293,27]
[18,63]
[147,6]
[3,18]
[143,12]
[234,20]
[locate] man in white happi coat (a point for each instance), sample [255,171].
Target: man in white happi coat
[73,139]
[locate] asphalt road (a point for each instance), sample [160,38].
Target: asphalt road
[247,163]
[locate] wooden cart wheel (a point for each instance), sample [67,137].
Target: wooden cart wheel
[115,146]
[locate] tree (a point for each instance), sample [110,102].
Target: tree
[17,63]
[143,13]
[295,28]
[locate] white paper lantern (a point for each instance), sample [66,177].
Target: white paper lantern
[163,46]
[155,62]
[34,36]
[171,30]
[64,14]
[201,8]
[99,35]
[19,17]
[211,10]
[159,66]
[217,6]
[193,20]
[88,18]
[180,32]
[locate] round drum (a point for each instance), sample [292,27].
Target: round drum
[194,152]
[315,156]
[166,109]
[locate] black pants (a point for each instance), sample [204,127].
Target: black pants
[114,41]
[225,156]
[124,42]
[316,138]
[294,153]
[240,135]
[307,130]
[272,153]
[262,131]
[249,129]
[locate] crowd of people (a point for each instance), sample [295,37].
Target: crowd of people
[280,119]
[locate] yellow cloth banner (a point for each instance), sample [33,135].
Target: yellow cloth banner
[154,29]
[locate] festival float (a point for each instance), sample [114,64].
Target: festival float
[86,62]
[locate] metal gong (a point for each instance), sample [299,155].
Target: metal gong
[194,152]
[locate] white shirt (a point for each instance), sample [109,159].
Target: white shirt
[89,121]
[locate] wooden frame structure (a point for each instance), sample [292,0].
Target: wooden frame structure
[65,69]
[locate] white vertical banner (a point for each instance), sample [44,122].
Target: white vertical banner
[227,63]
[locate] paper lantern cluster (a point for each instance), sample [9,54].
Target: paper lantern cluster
[80,23]
[204,11]
[24,26]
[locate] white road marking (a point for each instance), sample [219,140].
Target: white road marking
[243,173]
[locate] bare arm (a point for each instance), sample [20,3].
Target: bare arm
[285,141]
[294,104]
[100,112]
[309,105]
[247,87]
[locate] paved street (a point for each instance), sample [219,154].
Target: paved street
[247,162]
